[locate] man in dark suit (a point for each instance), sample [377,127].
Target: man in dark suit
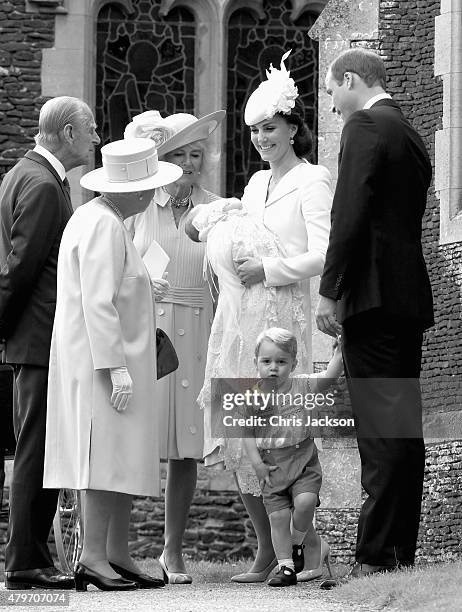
[35,206]
[375,290]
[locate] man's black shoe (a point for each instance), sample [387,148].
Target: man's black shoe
[41,578]
[359,570]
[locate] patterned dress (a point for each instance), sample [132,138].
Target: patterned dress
[185,314]
[242,313]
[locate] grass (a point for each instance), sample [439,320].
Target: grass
[211,572]
[426,589]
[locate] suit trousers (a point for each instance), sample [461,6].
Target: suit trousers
[32,508]
[382,358]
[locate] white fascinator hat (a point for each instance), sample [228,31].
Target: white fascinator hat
[130,165]
[174,131]
[275,95]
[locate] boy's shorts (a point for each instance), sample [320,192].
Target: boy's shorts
[299,471]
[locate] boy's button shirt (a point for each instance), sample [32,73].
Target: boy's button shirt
[284,422]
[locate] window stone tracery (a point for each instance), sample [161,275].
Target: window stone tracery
[144,63]
[252,45]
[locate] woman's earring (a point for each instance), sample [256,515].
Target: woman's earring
[291,141]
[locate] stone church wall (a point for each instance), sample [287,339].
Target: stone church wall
[407,30]
[22,38]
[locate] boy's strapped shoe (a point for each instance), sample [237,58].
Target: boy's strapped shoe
[298,557]
[284,577]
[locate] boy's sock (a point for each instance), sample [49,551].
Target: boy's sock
[287,562]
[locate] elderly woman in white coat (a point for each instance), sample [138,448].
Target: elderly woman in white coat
[184,313]
[292,200]
[102,420]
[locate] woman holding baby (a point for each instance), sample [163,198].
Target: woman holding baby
[264,257]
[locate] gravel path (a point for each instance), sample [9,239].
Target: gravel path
[197,598]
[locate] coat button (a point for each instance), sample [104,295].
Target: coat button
[181,332]
[185,383]
[193,429]
[160,311]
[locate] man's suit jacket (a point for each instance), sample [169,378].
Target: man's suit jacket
[34,210]
[374,258]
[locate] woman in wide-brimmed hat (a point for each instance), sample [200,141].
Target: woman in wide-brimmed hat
[102,420]
[185,312]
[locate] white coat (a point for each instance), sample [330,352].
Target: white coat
[104,319]
[298,212]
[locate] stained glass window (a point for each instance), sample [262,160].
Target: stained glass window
[252,46]
[144,62]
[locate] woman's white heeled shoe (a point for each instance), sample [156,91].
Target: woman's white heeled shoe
[317,572]
[173,577]
[249,577]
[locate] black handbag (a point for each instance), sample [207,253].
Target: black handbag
[167,359]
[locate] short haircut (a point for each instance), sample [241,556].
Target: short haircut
[58,112]
[363,62]
[282,338]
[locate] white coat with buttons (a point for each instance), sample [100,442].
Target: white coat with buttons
[104,319]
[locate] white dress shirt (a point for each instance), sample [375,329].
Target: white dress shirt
[374,99]
[54,161]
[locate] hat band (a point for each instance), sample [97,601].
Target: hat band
[117,172]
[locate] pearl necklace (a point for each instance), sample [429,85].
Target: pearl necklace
[179,202]
[113,207]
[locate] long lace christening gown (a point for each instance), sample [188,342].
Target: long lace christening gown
[241,314]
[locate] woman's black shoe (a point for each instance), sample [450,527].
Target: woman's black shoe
[84,576]
[144,581]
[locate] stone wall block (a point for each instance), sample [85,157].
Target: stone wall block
[70,35]
[328,151]
[61,80]
[448,42]
[452,94]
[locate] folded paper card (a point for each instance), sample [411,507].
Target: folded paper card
[156,260]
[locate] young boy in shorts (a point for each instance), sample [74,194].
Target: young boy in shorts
[282,452]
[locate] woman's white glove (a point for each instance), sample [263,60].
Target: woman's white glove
[121,388]
[159,287]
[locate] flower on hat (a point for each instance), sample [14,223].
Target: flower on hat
[151,125]
[279,89]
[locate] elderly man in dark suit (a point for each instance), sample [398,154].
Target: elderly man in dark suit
[375,286]
[35,206]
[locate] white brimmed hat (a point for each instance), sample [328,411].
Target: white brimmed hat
[275,95]
[175,131]
[130,165]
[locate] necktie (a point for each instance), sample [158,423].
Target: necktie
[67,189]
[66,186]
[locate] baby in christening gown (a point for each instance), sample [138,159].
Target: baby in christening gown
[242,313]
